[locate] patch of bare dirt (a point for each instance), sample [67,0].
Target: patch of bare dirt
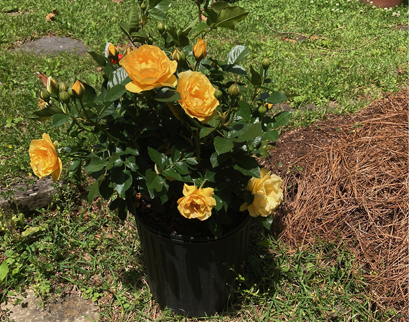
[346,181]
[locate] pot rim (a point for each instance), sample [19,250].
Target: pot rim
[189,239]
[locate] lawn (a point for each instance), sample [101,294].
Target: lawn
[337,56]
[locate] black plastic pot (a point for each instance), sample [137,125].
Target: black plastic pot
[194,277]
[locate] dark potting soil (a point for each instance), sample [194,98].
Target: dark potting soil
[171,221]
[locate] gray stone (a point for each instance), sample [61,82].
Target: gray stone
[27,198]
[53,45]
[403,27]
[69,308]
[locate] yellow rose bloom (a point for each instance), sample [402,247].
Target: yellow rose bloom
[44,158]
[196,203]
[197,95]
[267,194]
[148,67]
[199,51]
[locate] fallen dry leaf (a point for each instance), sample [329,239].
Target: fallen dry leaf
[117,1]
[288,39]
[50,17]
[204,18]
[43,78]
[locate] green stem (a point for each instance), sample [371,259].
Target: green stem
[197,141]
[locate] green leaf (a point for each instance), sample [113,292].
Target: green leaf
[255,77]
[263,221]
[96,164]
[229,15]
[181,167]
[157,14]
[206,131]
[133,21]
[244,111]
[281,119]
[129,150]
[46,113]
[163,5]
[119,76]
[167,96]
[123,180]
[271,136]
[119,204]
[248,166]
[276,98]
[130,162]
[59,119]
[225,196]
[219,5]
[93,192]
[173,174]
[153,182]
[175,154]
[235,69]
[201,27]
[209,176]
[90,94]
[101,60]
[115,93]
[237,55]
[264,243]
[74,165]
[4,270]
[214,121]
[254,131]
[217,160]
[105,190]
[192,161]
[219,203]
[114,161]
[159,158]
[222,145]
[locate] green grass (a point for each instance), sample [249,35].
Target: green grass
[320,283]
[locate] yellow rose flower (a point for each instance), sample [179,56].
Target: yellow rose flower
[267,194]
[197,95]
[196,203]
[199,51]
[44,158]
[148,67]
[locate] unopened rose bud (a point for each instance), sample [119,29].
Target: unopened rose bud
[71,93]
[266,63]
[63,87]
[52,86]
[79,89]
[112,51]
[262,110]
[178,56]
[64,96]
[45,96]
[143,6]
[234,91]
[161,27]
[199,51]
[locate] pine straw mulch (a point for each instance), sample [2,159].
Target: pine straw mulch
[346,182]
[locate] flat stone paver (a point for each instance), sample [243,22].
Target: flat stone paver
[53,45]
[70,308]
[28,198]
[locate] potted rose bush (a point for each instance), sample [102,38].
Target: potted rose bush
[179,133]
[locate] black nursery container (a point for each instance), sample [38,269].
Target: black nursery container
[194,276]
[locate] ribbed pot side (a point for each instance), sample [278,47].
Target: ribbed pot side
[194,278]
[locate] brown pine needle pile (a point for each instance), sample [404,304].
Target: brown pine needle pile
[354,190]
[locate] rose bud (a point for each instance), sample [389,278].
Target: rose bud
[64,96]
[234,91]
[265,63]
[63,87]
[79,89]
[199,51]
[52,86]
[45,96]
